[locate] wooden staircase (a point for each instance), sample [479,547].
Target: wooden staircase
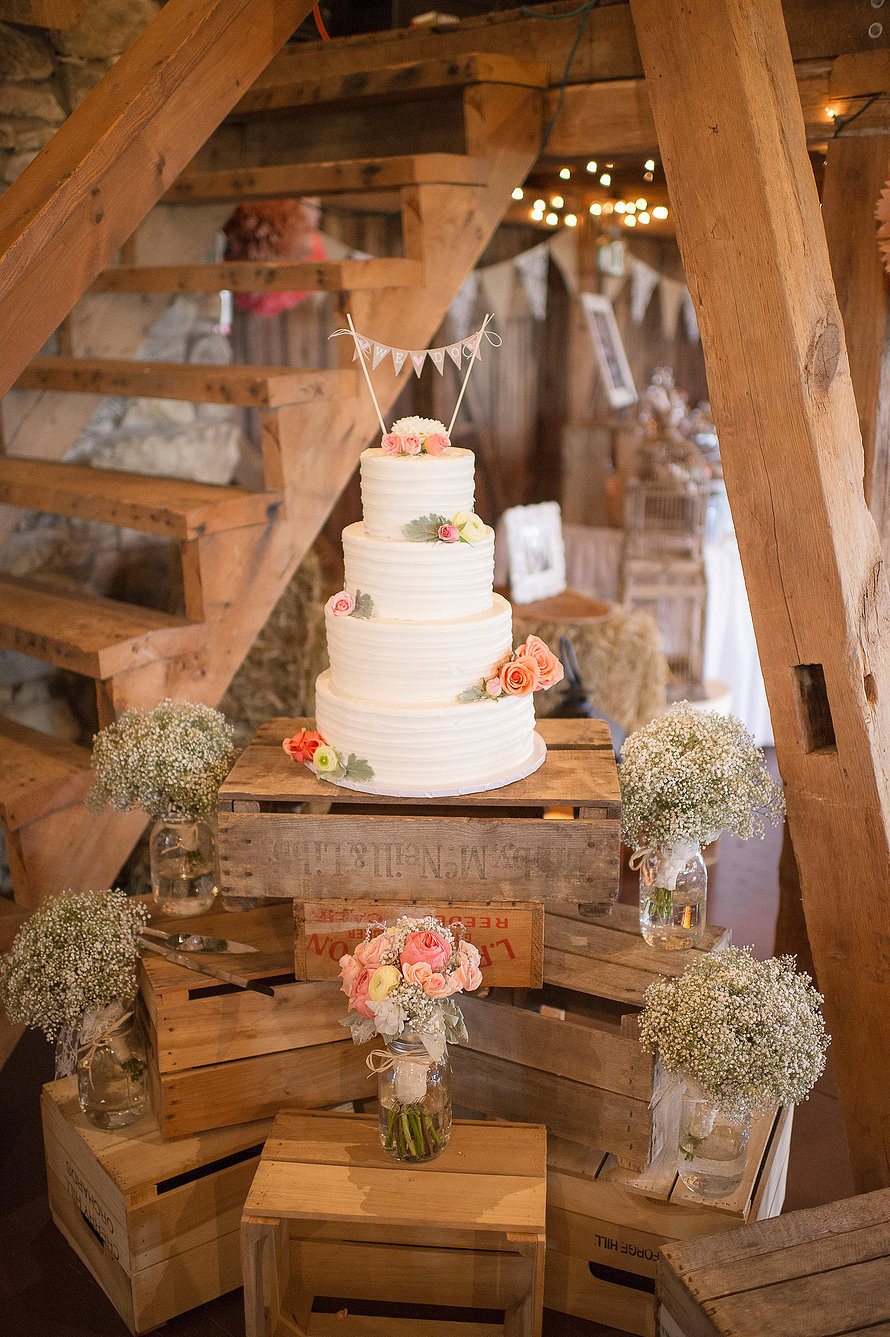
[469,131]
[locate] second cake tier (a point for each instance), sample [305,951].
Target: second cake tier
[419,582]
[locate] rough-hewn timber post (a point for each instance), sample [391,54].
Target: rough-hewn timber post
[732,140]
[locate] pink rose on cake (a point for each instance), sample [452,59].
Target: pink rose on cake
[448,533]
[550,668]
[437,443]
[342,604]
[411,444]
[425,946]
[494,686]
[391,444]
[520,676]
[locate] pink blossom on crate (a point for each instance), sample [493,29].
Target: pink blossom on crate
[371,951]
[493,686]
[468,976]
[411,444]
[342,604]
[449,533]
[349,973]
[358,998]
[437,443]
[427,946]
[417,972]
[440,985]
[391,444]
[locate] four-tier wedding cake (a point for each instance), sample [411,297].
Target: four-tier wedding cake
[424,694]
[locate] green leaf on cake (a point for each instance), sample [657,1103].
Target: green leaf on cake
[475,693]
[364,605]
[425,529]
[357,769]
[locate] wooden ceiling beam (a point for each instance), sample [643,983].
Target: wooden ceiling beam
[750,231]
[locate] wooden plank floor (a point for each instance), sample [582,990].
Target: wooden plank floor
[47,1292]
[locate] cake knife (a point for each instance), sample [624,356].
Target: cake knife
[202,968]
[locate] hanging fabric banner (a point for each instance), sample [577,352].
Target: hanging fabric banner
[454,352]
[461,308]
[418,360]
[437,357]
[690,319]
[564,250]
[370,349]
[380,352]
[398,358]
[643,282]
[497,285]
[532,266]
[671,295]
[611,286]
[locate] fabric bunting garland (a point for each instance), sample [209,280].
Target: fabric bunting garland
[464,348]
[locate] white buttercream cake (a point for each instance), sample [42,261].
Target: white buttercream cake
[425,630]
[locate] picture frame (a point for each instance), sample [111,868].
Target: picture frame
[610,354]
[535,551]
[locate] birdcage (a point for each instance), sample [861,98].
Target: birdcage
[664,520]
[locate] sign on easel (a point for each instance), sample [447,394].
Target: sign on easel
[508,934]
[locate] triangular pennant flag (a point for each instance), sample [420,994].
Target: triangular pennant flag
[454,351]
[611,286]
[532,266]
[437,357]
[469,347]
[643,282]
[690,320]
[398,358]
[380,352]
[497,285]
[418,361]
[671,294]
[461,308]
[564,249]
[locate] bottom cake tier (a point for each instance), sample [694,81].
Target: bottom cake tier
[435,748]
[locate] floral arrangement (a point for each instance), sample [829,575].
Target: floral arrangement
[75,953]
[344,604]
[415,436]
[169,759]
[310,748]
[748,1034]
[532,668]
[464,527]
[404,976]
[690,774]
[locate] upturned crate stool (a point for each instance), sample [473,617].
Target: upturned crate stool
[156,1223]
[222,1055]
[330,1213]
[283,832]
[815,1273]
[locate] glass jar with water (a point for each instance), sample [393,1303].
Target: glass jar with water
[673,896]
[713,1147]
[184,866]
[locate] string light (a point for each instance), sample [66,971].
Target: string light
[649,164]
[641,204]
[552,219]
[659,211]
[832,112]
[539,204]
[630,207]
[643,217]
[620,207]
[571,220]
[608,207]
[565,173]
[557,202]
[629,220]
[596,210]
[605,179]
[518,193]
[591,166]
[648,176]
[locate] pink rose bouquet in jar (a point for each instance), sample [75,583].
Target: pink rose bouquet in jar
[401,982]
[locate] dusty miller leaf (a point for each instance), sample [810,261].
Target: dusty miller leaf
[364,605]
[357,769]
[425,529]
[474,693]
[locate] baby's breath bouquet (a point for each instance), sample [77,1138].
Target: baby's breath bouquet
[169,759]
[690,774]
[747,1034]
[74,958]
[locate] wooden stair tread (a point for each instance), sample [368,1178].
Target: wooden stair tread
[199,383]
[93,636]
[326,178]
[175,507]
[252,276]
[413,79]
[38,773]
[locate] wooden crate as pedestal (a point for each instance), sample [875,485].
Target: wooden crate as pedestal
[605,1225]
[567,1055]
[156,1223]
[223,1055]
[282,832]
[330,1214]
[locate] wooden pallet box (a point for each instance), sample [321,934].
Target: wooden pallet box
[156,1223]
[568,1055]
[283,832]
[222,1055]
[824,1269]
[605,1225]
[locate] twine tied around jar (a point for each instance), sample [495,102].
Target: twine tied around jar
[381,1060]
[103,1034]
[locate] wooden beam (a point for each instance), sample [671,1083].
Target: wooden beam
[748,223]
[855,173]
[42,13]
[263,276]
[105,167]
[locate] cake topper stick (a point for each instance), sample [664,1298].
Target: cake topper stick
[367,376]
[479,337]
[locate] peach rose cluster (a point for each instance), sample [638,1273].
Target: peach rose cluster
[532,667]
[411,436]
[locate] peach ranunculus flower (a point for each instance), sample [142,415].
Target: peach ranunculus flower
[303,745]
[440,985]
[411,444]
[425,945]
[342,604]
[418,973]
[437,443]
[371,951]
[358,998]
[350,969]
[520,676]
[391,444]
[550,667]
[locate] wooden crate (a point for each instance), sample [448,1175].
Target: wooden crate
[568,1055]
[605,1225]
[331,1214]
[222,1055]
[156,1223]
[282,832]
[824,1270]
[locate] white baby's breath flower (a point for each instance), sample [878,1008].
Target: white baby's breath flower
[422,427]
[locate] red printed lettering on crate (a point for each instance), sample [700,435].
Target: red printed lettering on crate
[327,946]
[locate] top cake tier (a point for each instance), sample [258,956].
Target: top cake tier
[399,488]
